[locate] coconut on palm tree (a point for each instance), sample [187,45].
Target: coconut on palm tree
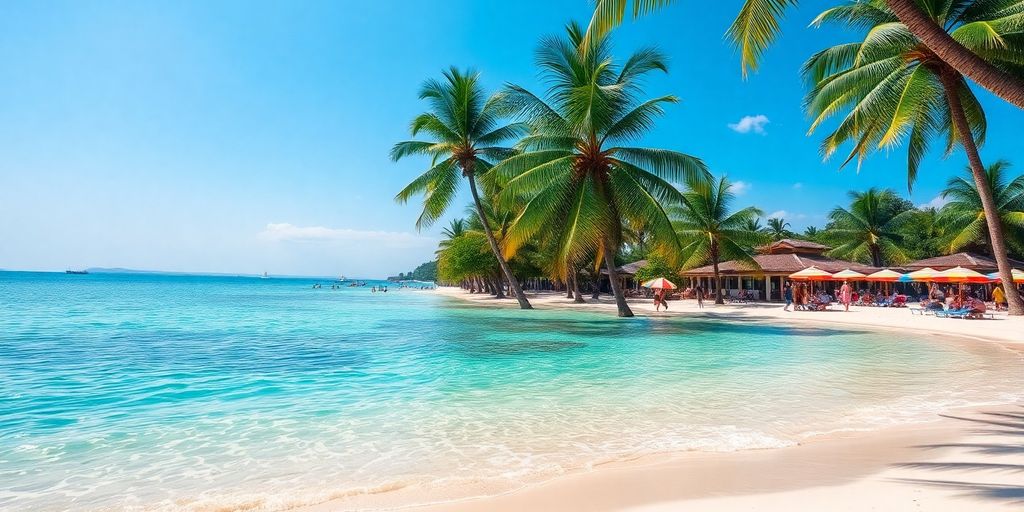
[709,232]
[963,217]
[870,229]
[757,25]
[468,133]
[583,182]
[894,89]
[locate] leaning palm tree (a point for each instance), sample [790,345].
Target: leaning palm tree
[869,230]
[757,25]
[468,132]
[964,215]
[583,186]
[778,229]
[710,233]
[895,89]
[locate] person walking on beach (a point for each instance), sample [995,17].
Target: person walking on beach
[787,294]
[845,294]
[659,299]
[699,292]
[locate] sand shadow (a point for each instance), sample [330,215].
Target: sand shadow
[993,424]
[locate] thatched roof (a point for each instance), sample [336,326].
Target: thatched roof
[791,245]
[782,264]
[972,261]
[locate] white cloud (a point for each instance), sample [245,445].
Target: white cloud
[740,187]
[285,232]
[750,124]
[936,202]
[798,186]
[783,214]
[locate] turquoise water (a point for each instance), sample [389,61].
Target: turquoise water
[171,392]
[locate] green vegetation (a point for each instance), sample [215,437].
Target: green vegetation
[582,188]
[711,233]
[560,189]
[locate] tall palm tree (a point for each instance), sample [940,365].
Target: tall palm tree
[964,215]
[710,233]
[583,186]
[778,229]
[468,132]
[895,88]
[869,230]
[757,25]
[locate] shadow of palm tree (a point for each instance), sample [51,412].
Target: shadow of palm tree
[992,424]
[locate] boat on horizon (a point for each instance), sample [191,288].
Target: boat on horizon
[265,276]
[76,271]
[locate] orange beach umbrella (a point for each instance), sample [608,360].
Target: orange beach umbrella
[1018,276]
[660,283]
[884,276]
[960,275]
[925,274]
[811,274]
[848,274]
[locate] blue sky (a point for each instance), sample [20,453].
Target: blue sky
[251,136]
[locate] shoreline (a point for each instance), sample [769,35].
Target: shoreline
[948,463]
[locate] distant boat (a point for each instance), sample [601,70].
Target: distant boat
[265,276]
[76,271]
[341,279]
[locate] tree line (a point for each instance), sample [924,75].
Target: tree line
[561,189]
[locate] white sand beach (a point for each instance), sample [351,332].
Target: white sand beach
[971,459]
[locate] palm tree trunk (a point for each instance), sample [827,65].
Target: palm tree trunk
[613,278]
[719,299]
[512,281]
[596,274]
[568,286]
[499,286]
[876,256]
[951,81]
[956,55]
[576,286]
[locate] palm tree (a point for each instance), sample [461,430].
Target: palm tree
[897,89]
[964,215]
[468,133]
[710,233]
[811,233]
[754,225]
[869,230]
[582,187]
[455,229]
[757,25]
[778,229]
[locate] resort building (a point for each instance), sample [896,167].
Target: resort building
[777,261]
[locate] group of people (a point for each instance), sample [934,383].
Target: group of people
[804,298]
[962,299]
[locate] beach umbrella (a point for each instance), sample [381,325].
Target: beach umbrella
[925,274]
[960,275]
[811,274]
[1018,276]
[843,275]
[885,276]
[660,283]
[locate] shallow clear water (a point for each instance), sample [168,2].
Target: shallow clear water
[149,392]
